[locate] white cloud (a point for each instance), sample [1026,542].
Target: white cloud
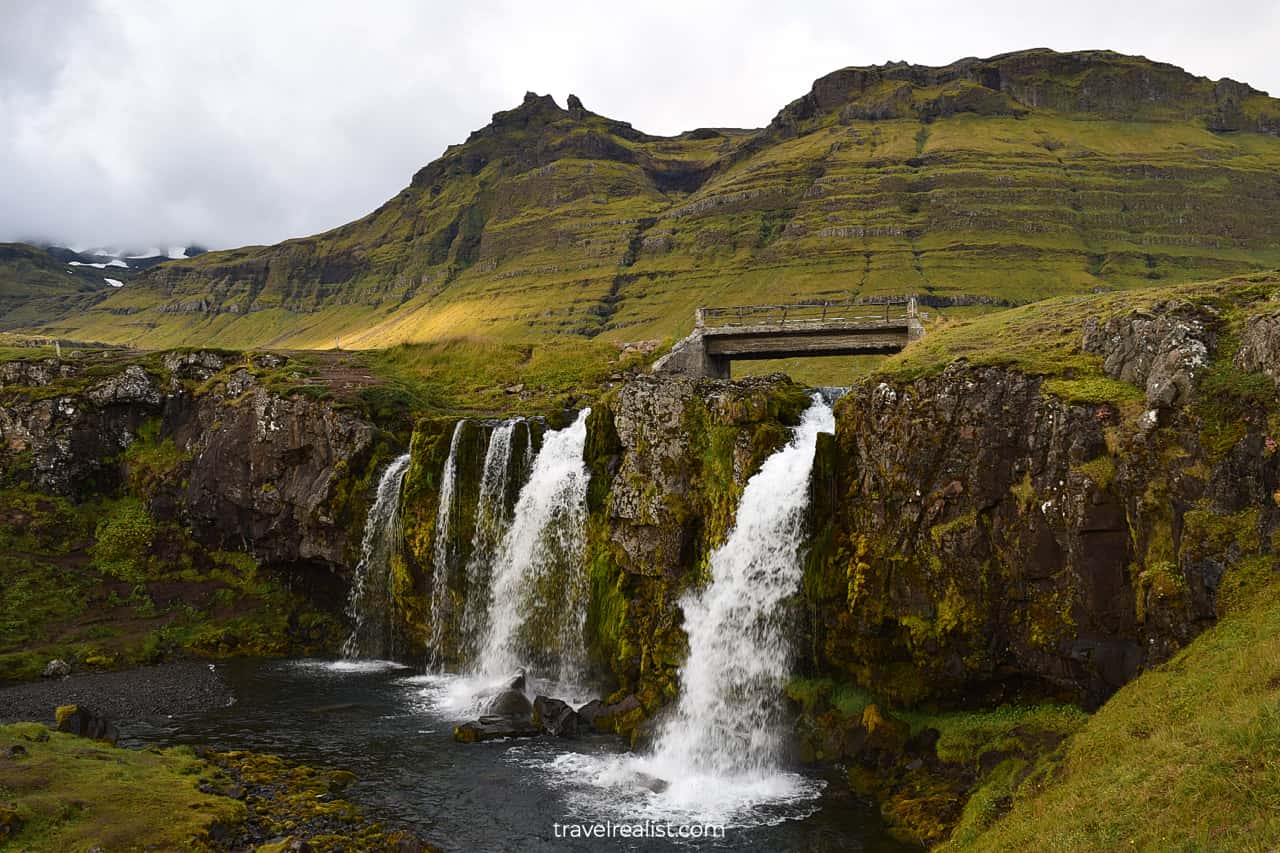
[234,122]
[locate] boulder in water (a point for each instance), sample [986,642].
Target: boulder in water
[509,703]
[515,681]
[590,711]
[646,734]
[555,717]
[652,783]
[492,727]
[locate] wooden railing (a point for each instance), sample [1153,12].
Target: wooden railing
[807,313]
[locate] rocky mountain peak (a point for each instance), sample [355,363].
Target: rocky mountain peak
[1088,84]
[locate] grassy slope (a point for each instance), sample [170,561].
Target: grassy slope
[34,285]
[552,223]
[1187,757]
[1044,339]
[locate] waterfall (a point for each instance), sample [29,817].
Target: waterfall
[492,518]
[719,753]
[538,590]
[370,605]
[441,554]
[725,723]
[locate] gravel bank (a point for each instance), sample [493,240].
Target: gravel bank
[151,692]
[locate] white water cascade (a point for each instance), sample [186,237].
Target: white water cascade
[493,516]
[740,653]
[369,605]
[538,590]
[441,555]
[719,754]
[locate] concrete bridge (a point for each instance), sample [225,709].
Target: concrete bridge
[724,335]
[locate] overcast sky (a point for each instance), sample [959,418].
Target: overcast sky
[137,122]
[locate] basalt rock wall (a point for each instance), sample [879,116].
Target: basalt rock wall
[205,439]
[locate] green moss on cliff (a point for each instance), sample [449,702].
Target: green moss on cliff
[123,540]
[636,577]
[419,503]
[141,592]
[151,461]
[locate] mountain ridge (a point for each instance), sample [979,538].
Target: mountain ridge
[1004,179]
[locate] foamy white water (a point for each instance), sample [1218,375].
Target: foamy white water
[545,541]
[740,652]
[718,758]
[350,666]
[369,604]
[492,519]
[462,697]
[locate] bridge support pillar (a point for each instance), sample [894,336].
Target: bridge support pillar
[915,329]
[689,357]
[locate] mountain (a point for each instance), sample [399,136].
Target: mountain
[128,262]
[35,283]
[1000,180]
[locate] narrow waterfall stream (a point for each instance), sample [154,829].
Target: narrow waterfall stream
[493,517]
[441,555]
[537,595]
[718,757]
[369,605]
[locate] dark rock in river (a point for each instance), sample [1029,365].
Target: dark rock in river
[555,717]
[493,727]
[509,703]
[590,711]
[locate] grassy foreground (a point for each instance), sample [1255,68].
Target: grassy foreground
[69,793]
[59,792]
[1187,757]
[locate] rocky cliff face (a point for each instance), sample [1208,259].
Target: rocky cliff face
[975,535]
[1093,83]
[981,531]
[242,466]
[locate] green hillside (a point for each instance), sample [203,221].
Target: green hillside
[35,285]
[1004,180]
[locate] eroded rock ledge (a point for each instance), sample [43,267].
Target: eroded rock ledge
[243,466]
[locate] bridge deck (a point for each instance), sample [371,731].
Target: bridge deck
[806,338]
[723,335]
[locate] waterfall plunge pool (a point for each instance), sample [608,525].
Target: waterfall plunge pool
[394,730]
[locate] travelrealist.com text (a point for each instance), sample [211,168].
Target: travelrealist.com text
[641,829]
